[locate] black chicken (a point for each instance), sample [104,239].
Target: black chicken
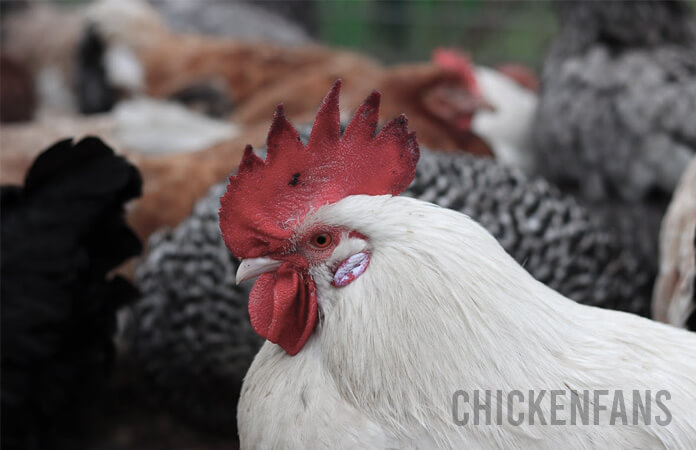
[62,233]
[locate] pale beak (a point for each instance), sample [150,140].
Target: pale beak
[253,267]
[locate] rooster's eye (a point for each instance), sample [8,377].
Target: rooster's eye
[321,240]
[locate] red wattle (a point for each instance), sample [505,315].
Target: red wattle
[283,308]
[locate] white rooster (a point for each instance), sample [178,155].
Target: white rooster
[378,309]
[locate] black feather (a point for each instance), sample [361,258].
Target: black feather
[95,92]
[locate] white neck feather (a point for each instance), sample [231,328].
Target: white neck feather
[443,307]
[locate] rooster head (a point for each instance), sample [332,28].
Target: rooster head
[266,214]
[461,104]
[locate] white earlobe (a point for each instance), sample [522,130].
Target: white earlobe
[350,269]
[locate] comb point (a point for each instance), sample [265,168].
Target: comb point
[363,126]
[281,133]
[249,161]
[327,124]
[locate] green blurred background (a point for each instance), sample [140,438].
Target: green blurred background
[493,31]
[401,30]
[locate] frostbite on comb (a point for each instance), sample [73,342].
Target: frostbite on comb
[267,199]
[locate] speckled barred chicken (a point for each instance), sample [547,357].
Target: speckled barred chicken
[191,332]
[616,112]
[558,241]
[615,121]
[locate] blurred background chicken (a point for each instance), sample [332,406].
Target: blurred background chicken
[508,104]
[620,97]
[674,298]
[615,117]
[16,91]
[255,77]
[63,233]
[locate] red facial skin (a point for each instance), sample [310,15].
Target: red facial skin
[283,304]
[305,253]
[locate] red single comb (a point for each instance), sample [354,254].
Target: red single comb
[267,199]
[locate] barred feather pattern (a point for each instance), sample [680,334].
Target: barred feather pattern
[191,332]
[619,94]
[556,239]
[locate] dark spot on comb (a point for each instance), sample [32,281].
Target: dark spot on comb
[295,179]
[402,120]
[298,139]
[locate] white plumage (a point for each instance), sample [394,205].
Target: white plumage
[426,320]
[506,128]
[158,127]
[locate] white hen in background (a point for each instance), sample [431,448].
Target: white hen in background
[507,127]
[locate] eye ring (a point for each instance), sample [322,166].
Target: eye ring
[321,240]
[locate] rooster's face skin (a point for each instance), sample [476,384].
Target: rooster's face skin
[333,257]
